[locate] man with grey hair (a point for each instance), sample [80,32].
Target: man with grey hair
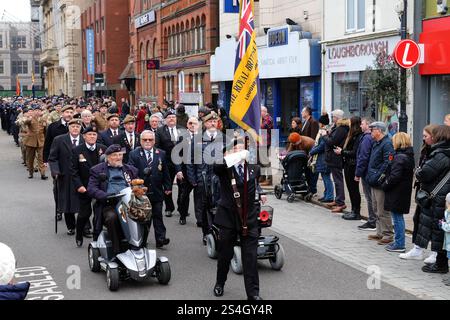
[380,158]
[334,139]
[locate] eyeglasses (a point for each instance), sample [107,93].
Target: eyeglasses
[192,123]
[148,140]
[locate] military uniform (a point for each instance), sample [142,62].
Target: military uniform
[101,122]
[33,141]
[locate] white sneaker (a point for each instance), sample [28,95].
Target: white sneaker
[413,254]
[431,258]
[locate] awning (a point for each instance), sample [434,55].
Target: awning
[128,72]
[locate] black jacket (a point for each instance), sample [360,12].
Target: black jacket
[399,180]
[336,138]
[164,142]
[106,137]
[227,213]
[429,175]
[351,150]
[157,180]
[60,162]
[82,161]
[122,140]
[54,129]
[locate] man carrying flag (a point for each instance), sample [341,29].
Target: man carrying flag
[236,210]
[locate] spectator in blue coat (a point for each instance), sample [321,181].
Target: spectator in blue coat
[362,162]
[380,158]
[317,154]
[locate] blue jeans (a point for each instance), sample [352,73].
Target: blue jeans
[399,229]
[328,194]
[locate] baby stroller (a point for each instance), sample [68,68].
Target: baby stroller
[293,181]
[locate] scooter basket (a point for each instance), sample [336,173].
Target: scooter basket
[140,208]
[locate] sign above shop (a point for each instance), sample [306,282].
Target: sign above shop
[436,46]
[407,54]
[146,18]
[278,37]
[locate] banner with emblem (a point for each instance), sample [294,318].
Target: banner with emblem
[245,108]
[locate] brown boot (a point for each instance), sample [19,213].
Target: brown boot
[339,209]
[331,205]
[374,237]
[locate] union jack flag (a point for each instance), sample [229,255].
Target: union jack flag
[246,27]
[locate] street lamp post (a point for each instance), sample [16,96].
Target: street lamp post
[403,118]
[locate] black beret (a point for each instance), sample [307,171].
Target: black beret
[170,112]
[112,115]
[90,129]
[76,121]
[113,148]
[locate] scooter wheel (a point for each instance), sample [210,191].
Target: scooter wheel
[93,255]
[236,262]
[112,278]
[211,246]
[291,198]
[163,273]
[278,261]
[278,192]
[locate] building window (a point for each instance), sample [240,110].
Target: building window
[18,42]
[356,15]
[103,57]
[98,58]
[37,67]
[181,81]
[19,67]
[2,69]
[103,23]
[96,26]
[37,42]
[1,41]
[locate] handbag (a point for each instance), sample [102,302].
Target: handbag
[424,199]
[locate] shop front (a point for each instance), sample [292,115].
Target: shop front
[346,73]
[436,67]
[289,71]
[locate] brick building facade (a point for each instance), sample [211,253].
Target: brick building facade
[182,35]
[109,21]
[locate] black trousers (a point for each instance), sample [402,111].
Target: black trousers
[157,220]
[112,223]
[69,217]
[249,244]
[353,188]
[168,200]
[183,200]
[199,204]
[84,215]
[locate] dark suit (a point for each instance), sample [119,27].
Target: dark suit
[106,137]
[164,142]
[104,211]
[60,162]
[157,181]
[54,129]
[229,223]
[83,160]
[122,140]
[310,128]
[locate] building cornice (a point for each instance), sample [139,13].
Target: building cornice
[361,37]
[181,12]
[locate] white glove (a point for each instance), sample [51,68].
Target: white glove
[235,158]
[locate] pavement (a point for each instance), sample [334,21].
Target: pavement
[326,257]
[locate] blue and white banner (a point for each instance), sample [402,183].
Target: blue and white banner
[231,6]
[90,51]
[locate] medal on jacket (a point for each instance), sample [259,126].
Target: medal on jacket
[160,165]
[127,177]
[100,151]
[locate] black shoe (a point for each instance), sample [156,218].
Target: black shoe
[169,213]
[218,290]
[71,232]
[182,221]
[44,177]
[36,170]
[255,298]
[79,243]
[368,227]
[87,234]
[160,244]
[434,268]
[59,216]
[351,216]
[30,176]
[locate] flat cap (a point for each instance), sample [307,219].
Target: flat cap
[129,119]
[113,149]
[68,107]
[378,125]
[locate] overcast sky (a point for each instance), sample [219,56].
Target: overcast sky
[16,10]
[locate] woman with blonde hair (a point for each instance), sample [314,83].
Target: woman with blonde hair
[398,187]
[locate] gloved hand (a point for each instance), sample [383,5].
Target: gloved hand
[235,158]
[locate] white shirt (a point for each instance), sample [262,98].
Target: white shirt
[77,140]
[131,137]
[175,133]
[92,148]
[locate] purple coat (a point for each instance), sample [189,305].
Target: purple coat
[97,189]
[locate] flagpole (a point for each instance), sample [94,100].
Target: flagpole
[245,204]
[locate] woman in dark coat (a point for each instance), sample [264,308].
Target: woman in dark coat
[398,188]
[296,125]
[348,153]
[416,253]
[429,176]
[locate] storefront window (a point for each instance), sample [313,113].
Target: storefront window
[345,92]
[289,103]
[439,98]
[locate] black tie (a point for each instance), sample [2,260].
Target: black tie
[172,135]
[241,171]
[150,158]
[114,133]
[74,142]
